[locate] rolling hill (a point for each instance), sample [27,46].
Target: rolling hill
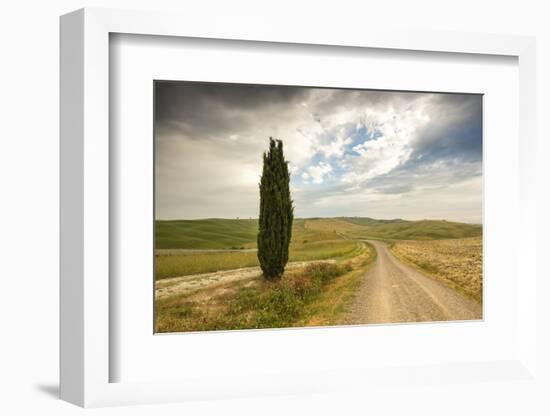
[399,229]
[213,233]
[216,233]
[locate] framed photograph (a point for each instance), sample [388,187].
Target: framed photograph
[369,210]
[303,204]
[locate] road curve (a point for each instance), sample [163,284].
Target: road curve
[392,291]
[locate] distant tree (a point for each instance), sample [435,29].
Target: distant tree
[276,212]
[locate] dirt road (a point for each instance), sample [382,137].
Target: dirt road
[185,284]
[392,291]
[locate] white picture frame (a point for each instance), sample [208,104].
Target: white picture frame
[85,352]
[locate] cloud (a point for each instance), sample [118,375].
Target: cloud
[392,146]
[350,152]
[317,172]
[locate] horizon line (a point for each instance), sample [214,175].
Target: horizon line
[317,217]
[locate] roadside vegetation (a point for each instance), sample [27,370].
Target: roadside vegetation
[457,262]
[316,294]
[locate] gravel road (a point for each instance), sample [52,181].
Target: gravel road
[392,292]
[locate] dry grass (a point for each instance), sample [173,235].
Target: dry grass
[259,304]
[331,305]
[331,225]
[456,262]
[313,295]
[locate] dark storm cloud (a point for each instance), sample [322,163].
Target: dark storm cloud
[207,109]
[456,130]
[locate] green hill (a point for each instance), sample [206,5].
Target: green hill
[372,221]
[211,233]
[219,233]
[399,229]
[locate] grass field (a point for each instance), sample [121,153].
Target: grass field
[205,234]
[312,239]
[457,262]
[412,230]
[205,262]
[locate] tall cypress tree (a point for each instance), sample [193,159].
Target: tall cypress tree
[276,212]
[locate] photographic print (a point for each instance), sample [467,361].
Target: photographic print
[292,206]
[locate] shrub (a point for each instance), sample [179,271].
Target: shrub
[323,272]
[302,285]
[284,303]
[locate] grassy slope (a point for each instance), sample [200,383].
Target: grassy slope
[413,230]
[205,234]
[456,262]
[233,233]
[227,233]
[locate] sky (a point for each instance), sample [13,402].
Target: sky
[378,154]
